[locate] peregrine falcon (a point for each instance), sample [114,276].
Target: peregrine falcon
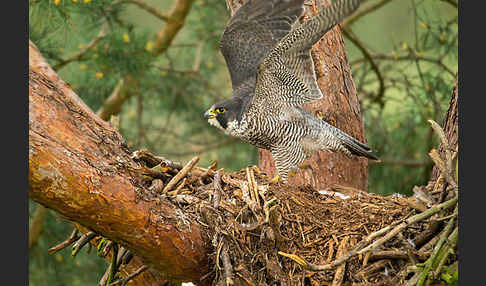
[268,54]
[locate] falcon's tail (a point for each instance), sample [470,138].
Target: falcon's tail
[356,147]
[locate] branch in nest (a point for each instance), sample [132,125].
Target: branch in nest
[435,253]
[130,277]
[358,249]
[217,190]
[72,238]
[182,173]
[82,241]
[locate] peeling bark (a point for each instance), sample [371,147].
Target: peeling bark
[80,167]
[450,127]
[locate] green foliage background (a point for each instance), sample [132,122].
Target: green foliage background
[413,44]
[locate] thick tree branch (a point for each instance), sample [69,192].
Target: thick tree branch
[80,167]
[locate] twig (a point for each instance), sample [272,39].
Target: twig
[182,173]
[349,21]
[379,97]
[428,264]
[82,241]
[82,52]
[394,254]
[217,190]
[141,4]
[157,186]
[356,250]
[72,238]
[452,241]
[411,220]
[252,184]
[130,277]
[447,166]
[409,56]
[107,248]
[228,268]
[424,236]
[339,274]
[373,268]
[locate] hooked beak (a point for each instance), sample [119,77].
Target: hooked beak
[209,114]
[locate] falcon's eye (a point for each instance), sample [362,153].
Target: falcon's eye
[220,110]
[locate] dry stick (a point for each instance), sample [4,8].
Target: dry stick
[448,169]
[217,189]
[339,274]
[252,185]
[411,220]
[111,270]
[228,268]
[410,248]
[243,186]
[157,186]
[107,248]
[124,281]
[393,254]
[82,241]
[182,173]
[356,250]
[72,238]
[371,269]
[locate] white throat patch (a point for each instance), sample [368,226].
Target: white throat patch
[215,123]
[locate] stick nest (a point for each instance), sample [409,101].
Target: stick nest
[271,233]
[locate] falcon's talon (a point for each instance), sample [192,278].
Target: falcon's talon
[256,169]
[292,173]
[275,179]
[304,166]
[272,75]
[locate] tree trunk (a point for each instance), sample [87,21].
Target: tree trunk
[80,167]
[339,107]
[450,127]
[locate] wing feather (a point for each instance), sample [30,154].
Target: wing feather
[252,33]
[293,54]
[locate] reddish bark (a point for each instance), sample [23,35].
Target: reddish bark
[450,127]
[80,167]
[340,107]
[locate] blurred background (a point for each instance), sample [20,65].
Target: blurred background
[403,57]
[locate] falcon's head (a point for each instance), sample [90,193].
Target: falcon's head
[224,113]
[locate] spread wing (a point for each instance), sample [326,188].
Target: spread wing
[286,76]
[252,33]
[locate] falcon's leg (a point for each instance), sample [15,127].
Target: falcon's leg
[287,158]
